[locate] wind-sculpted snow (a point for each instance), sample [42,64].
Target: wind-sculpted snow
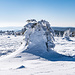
[65,47]
[36,55]
[39,32]
[9,44]
[37,61]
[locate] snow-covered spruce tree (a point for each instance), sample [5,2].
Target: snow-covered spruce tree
[59,34]
[39,32]
[67,34]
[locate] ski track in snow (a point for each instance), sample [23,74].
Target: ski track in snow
[29,64]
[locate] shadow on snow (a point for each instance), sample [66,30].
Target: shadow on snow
[51,55]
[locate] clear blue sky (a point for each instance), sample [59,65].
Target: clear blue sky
[57,12]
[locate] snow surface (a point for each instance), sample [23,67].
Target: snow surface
[9,44]
[22,61]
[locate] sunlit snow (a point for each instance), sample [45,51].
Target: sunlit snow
[31,64]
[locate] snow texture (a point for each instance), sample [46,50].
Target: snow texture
[9,44]
[61,60]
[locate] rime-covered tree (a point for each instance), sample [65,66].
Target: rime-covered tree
[39,32]
[67,34]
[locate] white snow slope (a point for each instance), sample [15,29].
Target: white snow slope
[23,61]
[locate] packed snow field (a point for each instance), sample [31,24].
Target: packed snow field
[64,46]
[9,44]
[15,60]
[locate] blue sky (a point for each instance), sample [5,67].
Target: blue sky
[58,12]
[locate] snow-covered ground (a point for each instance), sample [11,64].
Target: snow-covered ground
[9,43]
[65,47]
[60,60]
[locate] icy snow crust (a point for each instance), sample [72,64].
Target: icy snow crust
[24,61]
[9,44]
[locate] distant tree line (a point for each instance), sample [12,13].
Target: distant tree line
[60,33]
